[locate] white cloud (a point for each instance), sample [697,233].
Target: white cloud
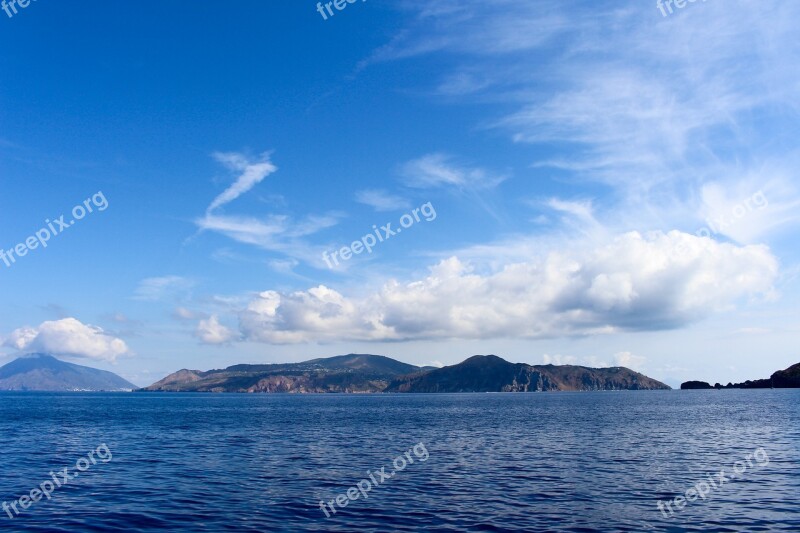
[263,232]
[120,318]
[158,288]
[600,97]
[284,266]
[634,283]
[581,210]
[67,337]
[441,170]
[472,27]
[381,200]
[210,331]
[273,232]
[319,314]
[629,360]
[579,215]
[750,209]
[252,173]
[182,313]
[463,83]
[591,361]
[559,359]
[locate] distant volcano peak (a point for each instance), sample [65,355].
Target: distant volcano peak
[44,372]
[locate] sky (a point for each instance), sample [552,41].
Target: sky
[603,183]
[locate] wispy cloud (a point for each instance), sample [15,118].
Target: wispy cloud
[441,170]
[253,172]
[579,215]
[159,288]
[279,233]
[381,200]
[182,313]
[654,108]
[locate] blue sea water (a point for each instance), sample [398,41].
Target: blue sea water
[495,462]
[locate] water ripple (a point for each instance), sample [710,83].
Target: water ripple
[498,462]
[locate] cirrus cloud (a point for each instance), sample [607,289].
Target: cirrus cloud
[441,170]
[381,200]
[252,173]
[279,233]
[158,288]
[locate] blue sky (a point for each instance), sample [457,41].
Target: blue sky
[611,186]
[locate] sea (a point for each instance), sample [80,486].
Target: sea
[564,461]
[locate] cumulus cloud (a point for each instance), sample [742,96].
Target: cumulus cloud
[318,314]
[67,337]
[634,283]
[210,331]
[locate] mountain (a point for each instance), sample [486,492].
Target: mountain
[782,379]
[343,373]
[43,372]
[361,362]
[489,373]
[376,373]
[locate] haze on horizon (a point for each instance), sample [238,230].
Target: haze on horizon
[586,183]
